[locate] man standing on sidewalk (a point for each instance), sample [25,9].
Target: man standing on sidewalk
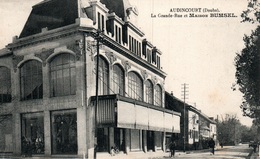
[212,145]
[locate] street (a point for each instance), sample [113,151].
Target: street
[231,152]
[227,152]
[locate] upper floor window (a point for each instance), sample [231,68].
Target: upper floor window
[135,86]
[148,92]
[118,80]
[139,49]
[101,21]
[130,43]
[118,34]
[149,55]
[158,62]
[134,46]
[63,75]
[5,85]
[31,80]
[103,82]
[194,119]
[154,57]
[158,95]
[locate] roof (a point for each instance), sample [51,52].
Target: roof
[191,108]
[201,114]
[4,52]
[50,14]
[117,6]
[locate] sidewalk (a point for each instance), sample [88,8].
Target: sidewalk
[153,155]
[255,155]
[135,155]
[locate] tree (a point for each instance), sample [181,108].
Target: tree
[248,134]
[252,14]
[248,64]
[228,130]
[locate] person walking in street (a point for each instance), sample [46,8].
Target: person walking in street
[172,147]
[212,145]
[254,146]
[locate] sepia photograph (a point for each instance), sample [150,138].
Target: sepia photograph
[130,79]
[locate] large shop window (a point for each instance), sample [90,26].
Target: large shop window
[5,85]
[135,140]
[148,92]
[64,132]
[158,95]
[135,86]
[118,80]
[32,133]
[31,80]
[103,83]
[63,75]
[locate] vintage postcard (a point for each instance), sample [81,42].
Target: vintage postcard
[120,78]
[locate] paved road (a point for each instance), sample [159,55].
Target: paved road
[234,152]
[231,152]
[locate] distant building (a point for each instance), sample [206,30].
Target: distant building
[48,83]
[196,127]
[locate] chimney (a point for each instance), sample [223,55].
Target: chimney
[172,93]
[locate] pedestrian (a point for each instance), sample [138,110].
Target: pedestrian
[254,146]
[112,151]
[24,146]
[212,145]
[172,147]
[221,144]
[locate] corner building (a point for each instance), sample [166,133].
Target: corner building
[48,83]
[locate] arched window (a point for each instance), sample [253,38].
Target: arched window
[118,80]
[5,85]
[135,86]
[63,75]
[31,80]
[148,92]
[103,83]
[158,95]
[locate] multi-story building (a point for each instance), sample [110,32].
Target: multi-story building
[196,127]
[193,126]
[49,80]
[207,130]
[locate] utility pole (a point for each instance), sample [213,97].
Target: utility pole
[98,37]
[184,95]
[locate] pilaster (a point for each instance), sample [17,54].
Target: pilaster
[127,141]
[47,133]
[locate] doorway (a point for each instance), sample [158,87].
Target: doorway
[150,141]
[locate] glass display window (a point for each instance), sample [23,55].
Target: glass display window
[32,138]
[64,132]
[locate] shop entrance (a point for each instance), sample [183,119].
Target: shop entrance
[119,139]
[102,140]
[150,141]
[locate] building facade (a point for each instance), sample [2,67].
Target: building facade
[49,79]
[196,127]
[207,130]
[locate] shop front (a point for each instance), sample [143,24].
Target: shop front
[132,125]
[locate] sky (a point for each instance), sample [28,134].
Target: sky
[198,51]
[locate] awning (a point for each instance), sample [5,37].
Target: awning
[122,112]
[205,128]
